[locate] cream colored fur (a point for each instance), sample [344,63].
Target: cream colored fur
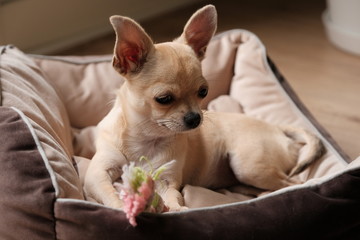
[157,114]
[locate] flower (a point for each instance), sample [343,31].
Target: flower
[137,190]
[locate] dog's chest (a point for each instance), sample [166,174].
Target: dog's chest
[151,149]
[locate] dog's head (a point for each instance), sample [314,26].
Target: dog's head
[164,82]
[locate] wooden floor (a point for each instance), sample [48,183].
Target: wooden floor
[326,79]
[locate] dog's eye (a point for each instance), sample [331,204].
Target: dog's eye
[164,100]
[203,91]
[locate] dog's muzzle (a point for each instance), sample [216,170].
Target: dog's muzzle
[192,120]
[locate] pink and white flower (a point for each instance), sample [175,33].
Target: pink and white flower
[137,190]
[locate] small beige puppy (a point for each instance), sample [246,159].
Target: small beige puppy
[157,114]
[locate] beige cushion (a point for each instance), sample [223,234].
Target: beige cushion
[24,87]
[86,86]
[235,66]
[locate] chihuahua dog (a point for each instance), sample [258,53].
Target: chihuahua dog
[157,114]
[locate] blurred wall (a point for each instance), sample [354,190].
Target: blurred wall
[45,26]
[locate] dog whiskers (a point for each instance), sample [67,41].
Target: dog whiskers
[208,119]
[148,127]
[170,124]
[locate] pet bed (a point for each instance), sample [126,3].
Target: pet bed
[51,105]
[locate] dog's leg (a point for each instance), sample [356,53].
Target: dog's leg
[104,169]
[169,188]
[272,180]
[173,199]
[264,176]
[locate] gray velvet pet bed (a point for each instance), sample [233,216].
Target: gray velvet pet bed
[51,105]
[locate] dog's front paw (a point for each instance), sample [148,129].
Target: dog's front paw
[176,207]
[104,195]
[183,208]
[114,201]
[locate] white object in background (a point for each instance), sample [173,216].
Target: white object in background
[342,23]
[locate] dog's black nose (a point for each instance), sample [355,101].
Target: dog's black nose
[192,120]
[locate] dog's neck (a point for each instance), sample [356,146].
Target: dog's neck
[140,136]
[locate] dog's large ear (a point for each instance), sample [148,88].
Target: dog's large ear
[132,45]
[199,30]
